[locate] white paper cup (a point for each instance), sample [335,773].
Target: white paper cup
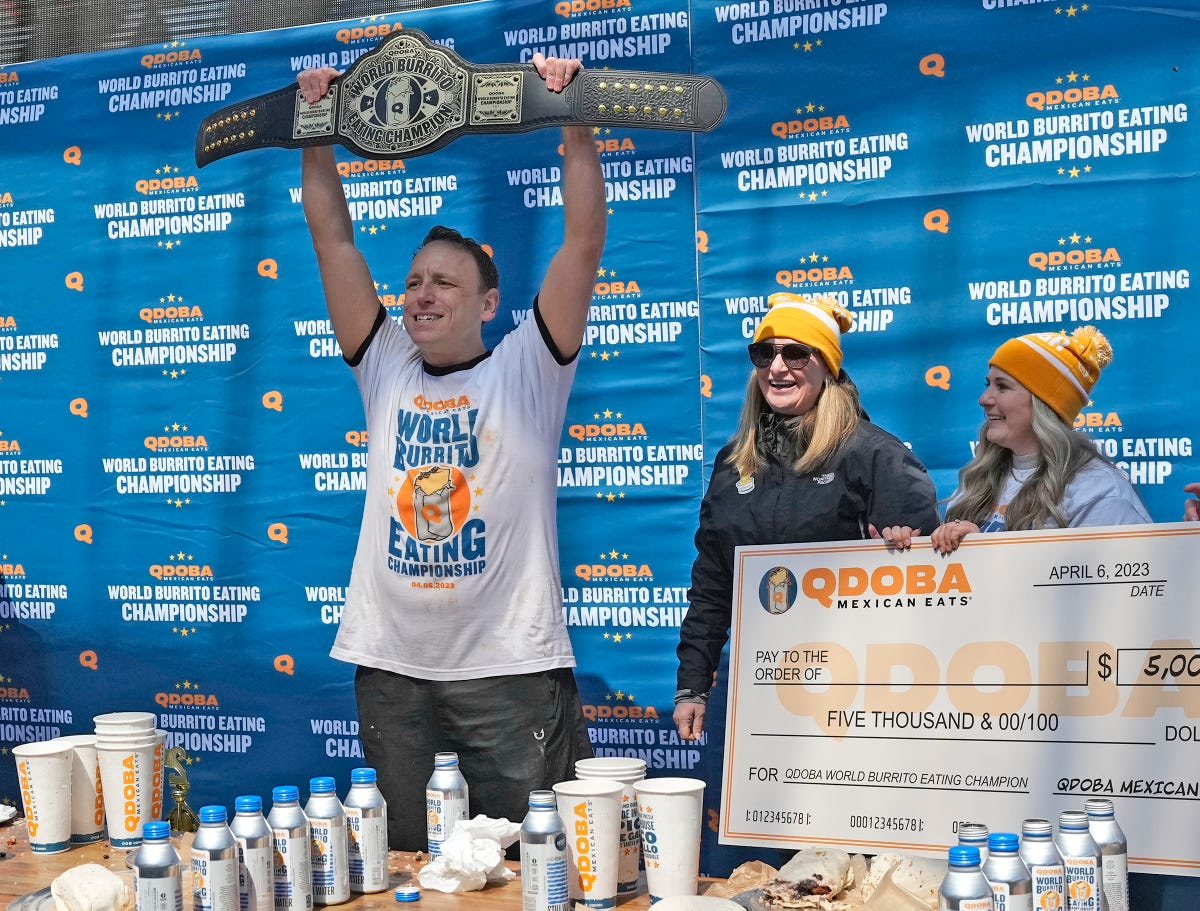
[628,772]
[44,776]
[123,722]
[87,798]
[669,812]
[132,785]
[606,766]
[591,815]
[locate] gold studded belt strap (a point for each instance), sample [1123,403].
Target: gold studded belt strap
[410,96]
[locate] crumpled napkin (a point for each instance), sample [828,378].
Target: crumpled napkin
[472,856]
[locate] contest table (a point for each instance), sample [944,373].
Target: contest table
[23,872]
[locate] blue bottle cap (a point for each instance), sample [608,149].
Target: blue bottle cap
[360,776]
[964,856]
[247,803]
[322,784]
[408,894]
[285,793]
[156,830]
[213,813]
[1002,841]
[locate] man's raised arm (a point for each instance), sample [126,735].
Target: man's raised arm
[349,290]
[570,279]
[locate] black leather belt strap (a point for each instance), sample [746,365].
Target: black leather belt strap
[410,96]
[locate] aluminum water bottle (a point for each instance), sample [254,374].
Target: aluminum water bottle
[1044,862]
[1012,886]
[964,887]
[366,833]
[214,863]
[256,884]
[1114,851]
[330,852]
[157,875]
[445,800]
[1083,869]
[292,841]
[543,856]
[974,835]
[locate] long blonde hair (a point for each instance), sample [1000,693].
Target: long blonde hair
[980,482]
[814,437]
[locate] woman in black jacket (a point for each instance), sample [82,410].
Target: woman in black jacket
[804,465]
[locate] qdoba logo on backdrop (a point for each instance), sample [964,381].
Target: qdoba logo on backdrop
[180,566]
[810,120]
[1075,251]
[10,691]
[814,269]
[172,57]
[620,570]
[175,438]
[1072,91]
[189,698]
[608,286]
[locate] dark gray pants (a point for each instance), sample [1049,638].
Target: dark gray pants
[512,734]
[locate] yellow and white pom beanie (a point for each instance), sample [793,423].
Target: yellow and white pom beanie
[816,321]
[1059,369]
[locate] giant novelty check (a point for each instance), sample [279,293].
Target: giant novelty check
[879,697]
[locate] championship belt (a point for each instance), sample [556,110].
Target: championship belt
[409,96]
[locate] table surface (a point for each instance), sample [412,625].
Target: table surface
[22,872]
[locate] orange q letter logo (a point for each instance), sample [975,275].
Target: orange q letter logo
[78,407]
[932,65]
[83,533]
[268,268]
[938,376]
[74,281]
[273,400]
[277,531]
[937,220]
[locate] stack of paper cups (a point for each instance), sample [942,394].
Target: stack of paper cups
[87,795]
[628,771]
[130,753]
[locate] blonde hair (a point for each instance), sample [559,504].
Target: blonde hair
[980,482]
[814,437]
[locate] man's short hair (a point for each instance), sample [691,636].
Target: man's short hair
[488,272]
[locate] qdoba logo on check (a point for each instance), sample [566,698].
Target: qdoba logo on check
[852,582]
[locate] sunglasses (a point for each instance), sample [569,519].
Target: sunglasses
[795,355]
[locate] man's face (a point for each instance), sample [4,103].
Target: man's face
[444,306]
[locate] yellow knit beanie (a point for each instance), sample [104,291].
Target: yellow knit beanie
[1059,369]
[816,321]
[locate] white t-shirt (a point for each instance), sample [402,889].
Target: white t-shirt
[456,573]
[1099,494]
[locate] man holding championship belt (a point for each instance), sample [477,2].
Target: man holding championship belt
[454,612]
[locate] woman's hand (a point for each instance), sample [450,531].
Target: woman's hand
[897,536]
[948,536]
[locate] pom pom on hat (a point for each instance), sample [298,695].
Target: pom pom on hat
[816,321]
[1059,369]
